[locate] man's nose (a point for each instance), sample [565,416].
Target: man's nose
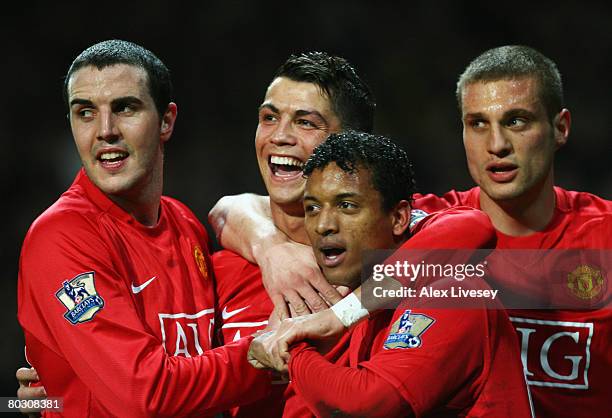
[498,143]
[107,126]
[284,134]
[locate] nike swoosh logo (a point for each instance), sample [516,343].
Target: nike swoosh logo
[228,314]
[137,289]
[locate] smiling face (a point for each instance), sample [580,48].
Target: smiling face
[509,140]
[118,131]
[344,218]
[294,118]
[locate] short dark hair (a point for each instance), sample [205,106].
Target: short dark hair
[350,97]
[515,61]
[114,51]
[390,169]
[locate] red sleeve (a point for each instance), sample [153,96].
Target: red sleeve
[447,359]
[437,237]
[457,227]
[433,203]
[443,365]
[328,388]
[114,355]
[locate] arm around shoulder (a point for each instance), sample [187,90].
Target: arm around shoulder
[243,223]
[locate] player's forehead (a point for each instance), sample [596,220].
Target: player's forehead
[291,96]
[332,181]
[499,96]
[118,80]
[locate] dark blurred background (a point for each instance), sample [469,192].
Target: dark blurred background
[223,54]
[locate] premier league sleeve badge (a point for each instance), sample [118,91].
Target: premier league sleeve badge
[406,332]
[80,297]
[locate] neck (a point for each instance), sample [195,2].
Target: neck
[290,220]
[146,213]
[524,215]
[143,204]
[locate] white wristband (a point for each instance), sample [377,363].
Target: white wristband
[350,310]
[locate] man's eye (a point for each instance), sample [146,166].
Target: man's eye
[86,113]
[517,122]
[347,205]
[477,123]
[306,123]
[311,209]
[127,109]
[267,117]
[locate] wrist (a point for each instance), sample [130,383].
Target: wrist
[266,243]
[349,311]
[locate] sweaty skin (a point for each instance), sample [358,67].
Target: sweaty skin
[510,144]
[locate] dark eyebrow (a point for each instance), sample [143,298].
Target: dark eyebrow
[268,106]
[310,112]
[119,101]
[507,114]
[297,112]
[126,100]
[518,112]
[476,115]
[337,197]
[80,102]
[346,195]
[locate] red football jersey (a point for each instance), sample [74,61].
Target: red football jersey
[118,317]
[431,362]
[245,307]
[320,383]
[566,353]
[242,299]
[464,364]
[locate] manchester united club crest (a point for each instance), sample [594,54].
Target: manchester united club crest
[586,282]
[406,332]
[200,261]
[80,297]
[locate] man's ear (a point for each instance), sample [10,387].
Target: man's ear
[167,122]
[561,125]
[400,216]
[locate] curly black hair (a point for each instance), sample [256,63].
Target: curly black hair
[390,169]
[350,97]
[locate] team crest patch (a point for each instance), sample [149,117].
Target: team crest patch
[79,295]
[585,282]
[200,261]
[407,330]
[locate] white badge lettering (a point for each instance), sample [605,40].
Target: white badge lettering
[574,359]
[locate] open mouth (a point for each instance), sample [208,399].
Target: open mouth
[502,169]
[332,256]
[502,172]
[112,159]
[285,167]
